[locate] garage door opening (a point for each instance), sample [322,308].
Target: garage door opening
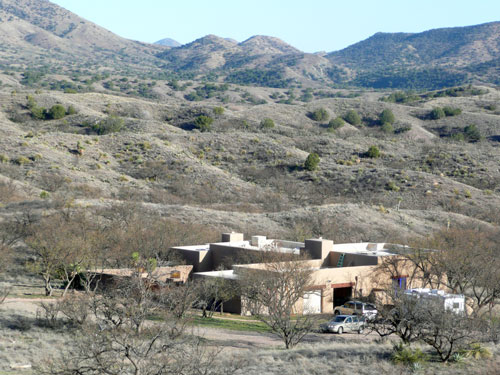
[341,295]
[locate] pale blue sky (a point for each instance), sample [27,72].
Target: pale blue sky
[314,25]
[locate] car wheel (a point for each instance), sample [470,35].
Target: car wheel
[336,312]
[340,331]
[360,331]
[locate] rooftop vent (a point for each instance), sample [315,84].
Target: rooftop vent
[258,241]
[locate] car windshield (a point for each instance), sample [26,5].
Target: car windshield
[339,319]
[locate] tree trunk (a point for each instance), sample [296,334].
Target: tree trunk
[68,284]
[48,286]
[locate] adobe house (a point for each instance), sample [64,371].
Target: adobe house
[339,272]
[175,274]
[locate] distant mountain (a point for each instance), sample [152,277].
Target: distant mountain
[260,44]
[168,42]
[261,60]
[213,52]
[448,56]
[38,32]
[44,28]
[457,46]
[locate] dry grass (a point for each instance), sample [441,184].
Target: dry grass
[354,358]
[25,340]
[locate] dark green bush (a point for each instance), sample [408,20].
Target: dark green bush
[71,110]
[56,112]
[472,133]
[386,117]
[387,128]
[373,152]
[352,118]
[336,123]
[319,114]
[203,123]
[450,111]
[267,123]
[38,113]
[218,111]
[437,113]
[111,124]
[312,162]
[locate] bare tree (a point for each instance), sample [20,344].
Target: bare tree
[64,247]
[211,293]
[414,318]
[465,261]
[120,339]
[272,294]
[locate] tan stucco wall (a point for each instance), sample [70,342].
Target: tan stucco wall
[201,260]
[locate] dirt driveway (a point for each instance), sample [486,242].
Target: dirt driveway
[244,340]
[257,340]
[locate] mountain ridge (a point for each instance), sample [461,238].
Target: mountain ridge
[429,60]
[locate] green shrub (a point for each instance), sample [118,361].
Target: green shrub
[203,123]
[352,118]
[319,114]
[404,355]
[472,133]
[437,113]
[336,123]
[386,117]
[450,111]
[477,351]
[38,113]
[373,152]
[44,194]
[111,124]
[459,137]
[387,128]
[312,162]
[401,97]
[218,111]
[267,123]
[4,158]
[31,102]
[56,112]
[21,160]
[391,185]
[71,110]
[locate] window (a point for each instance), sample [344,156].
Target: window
[348,320]
[349,305]
[399,282]
[456,305]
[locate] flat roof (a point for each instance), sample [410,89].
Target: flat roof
[367,248]
[205,247]
[225,274]
[269,244]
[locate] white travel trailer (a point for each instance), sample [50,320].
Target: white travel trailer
[453,302]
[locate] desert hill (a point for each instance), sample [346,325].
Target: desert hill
[31,28]
[131,131]
[168,42]
[38,30]
[456,47]
[432,59]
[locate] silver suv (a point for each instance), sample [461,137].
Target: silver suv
[344,323]
[367,310]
